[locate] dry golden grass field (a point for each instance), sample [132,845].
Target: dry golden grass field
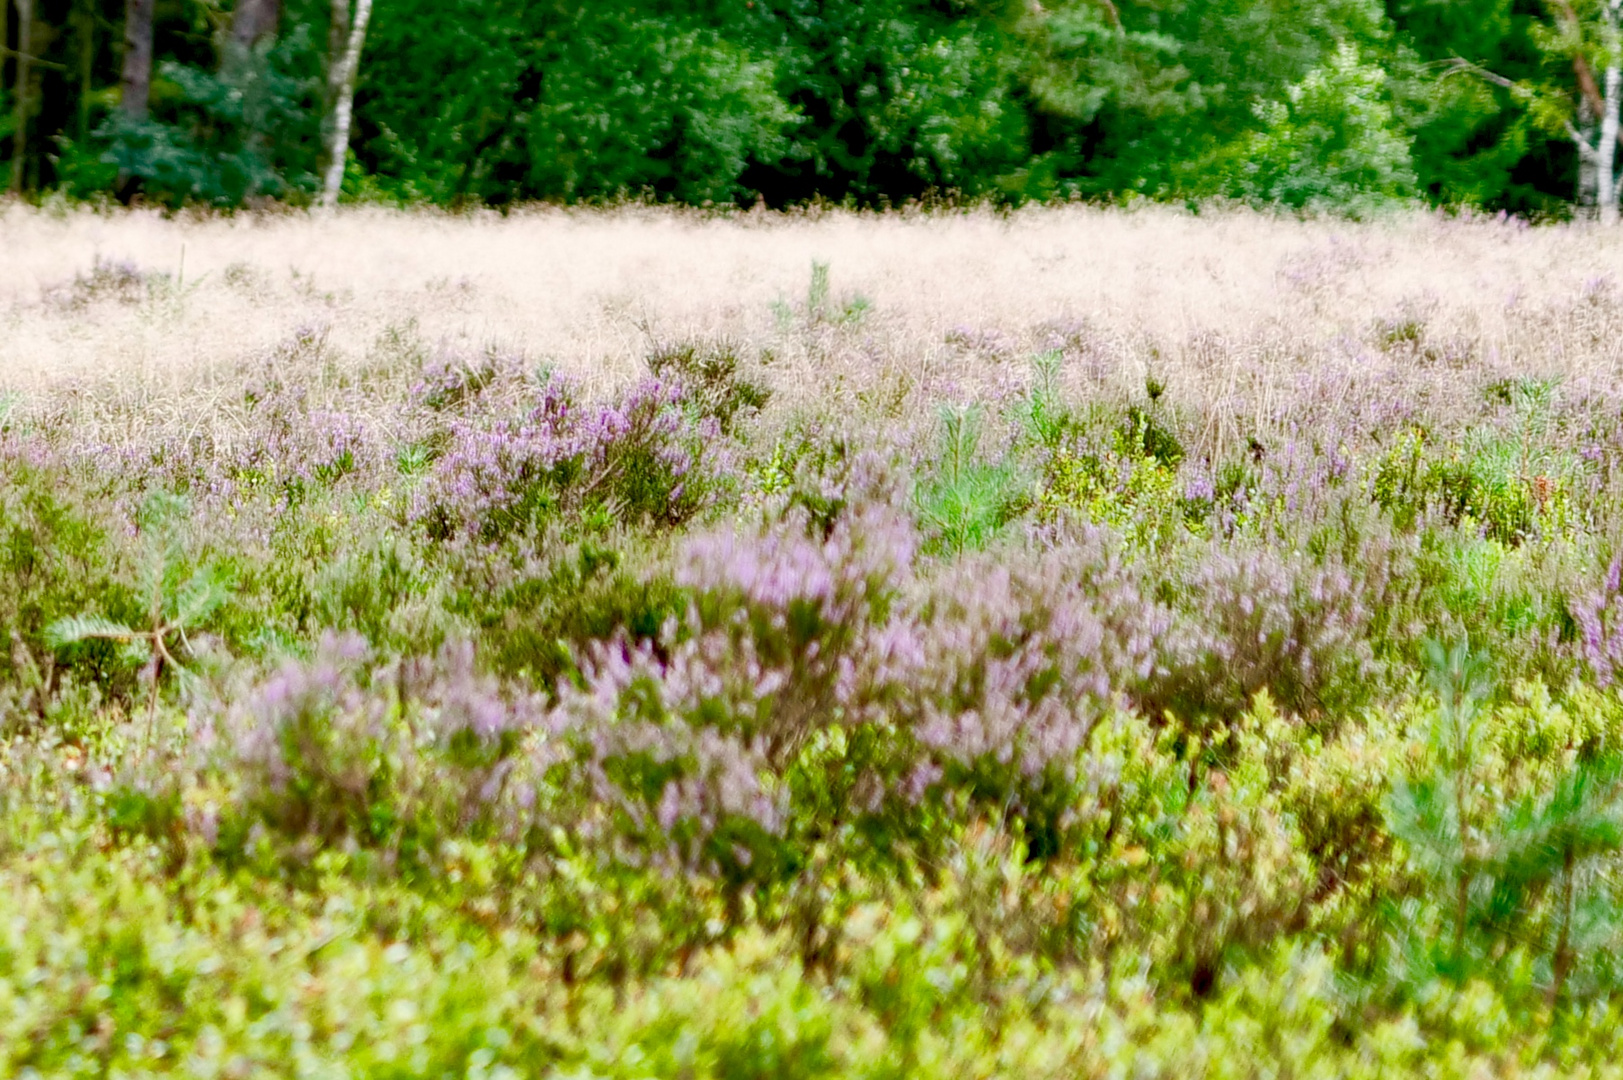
[1210,302]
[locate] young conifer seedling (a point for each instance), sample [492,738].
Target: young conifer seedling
[180,599]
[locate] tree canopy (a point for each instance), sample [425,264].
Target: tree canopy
[1339,105]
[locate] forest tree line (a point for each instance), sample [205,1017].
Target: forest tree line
[1340,105]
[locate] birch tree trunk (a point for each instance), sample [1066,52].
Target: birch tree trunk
[1588,194]
[1606,158]
[344,78]
[1598,152]
[337,40]
[25,79]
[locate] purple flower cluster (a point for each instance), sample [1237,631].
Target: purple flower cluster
[665,746]
[343,746]
[1598,614]
[1249,620]
[814,669]
[697,738]
[1013,667]
[282,449]
[640,457]
[450,380]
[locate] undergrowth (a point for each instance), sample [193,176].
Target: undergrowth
[496,729]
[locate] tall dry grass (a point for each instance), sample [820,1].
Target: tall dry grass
[1229,307]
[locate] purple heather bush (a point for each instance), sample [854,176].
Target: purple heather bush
[1251,620]
[641,458]
[452,381]
[817,674]
[348,749]
[785,646]
[284,450]
[1008,673]
[661,748]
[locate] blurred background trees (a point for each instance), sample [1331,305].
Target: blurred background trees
[1310,104]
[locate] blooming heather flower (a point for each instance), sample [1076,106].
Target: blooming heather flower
[640,456]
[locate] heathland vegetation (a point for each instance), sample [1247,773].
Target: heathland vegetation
[1062,643]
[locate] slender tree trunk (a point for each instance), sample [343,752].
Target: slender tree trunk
[1605,164]
[25,92]
[1588,195]
[5,40]
[254,21]
[1606,148]
[85,13]
[344,78]
[244,62]
[1598,183]
[337,39]
[135,81]
[135,88]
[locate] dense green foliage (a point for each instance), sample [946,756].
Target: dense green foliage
[451,722]
[1342,105]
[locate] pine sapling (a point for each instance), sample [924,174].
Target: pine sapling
[177,603]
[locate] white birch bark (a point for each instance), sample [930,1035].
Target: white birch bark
[1598,159]
[344,105]
[1588,194]
[1606,158]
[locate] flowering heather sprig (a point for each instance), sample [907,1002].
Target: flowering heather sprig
[285,448]
[664,745]
[809,605]
[692,747]
[308,743]
[640,457]
[1013,666]
[495,473]
[989,340]
[702,732]
[1599,618]
[1261,619]
[448,698]
[450,380]
[344,747]
[812,669]
[121,281]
